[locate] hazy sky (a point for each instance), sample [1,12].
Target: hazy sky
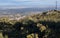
[28,3]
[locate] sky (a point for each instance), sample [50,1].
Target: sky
[28,3]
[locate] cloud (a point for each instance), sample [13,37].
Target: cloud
[37,0]
[27,0]
[28,3]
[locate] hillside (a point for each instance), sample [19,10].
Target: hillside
[42,25]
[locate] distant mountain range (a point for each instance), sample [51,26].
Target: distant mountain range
[23,10]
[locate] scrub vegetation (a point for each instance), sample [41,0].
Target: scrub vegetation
[45,25]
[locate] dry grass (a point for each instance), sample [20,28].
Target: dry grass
[1,36]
